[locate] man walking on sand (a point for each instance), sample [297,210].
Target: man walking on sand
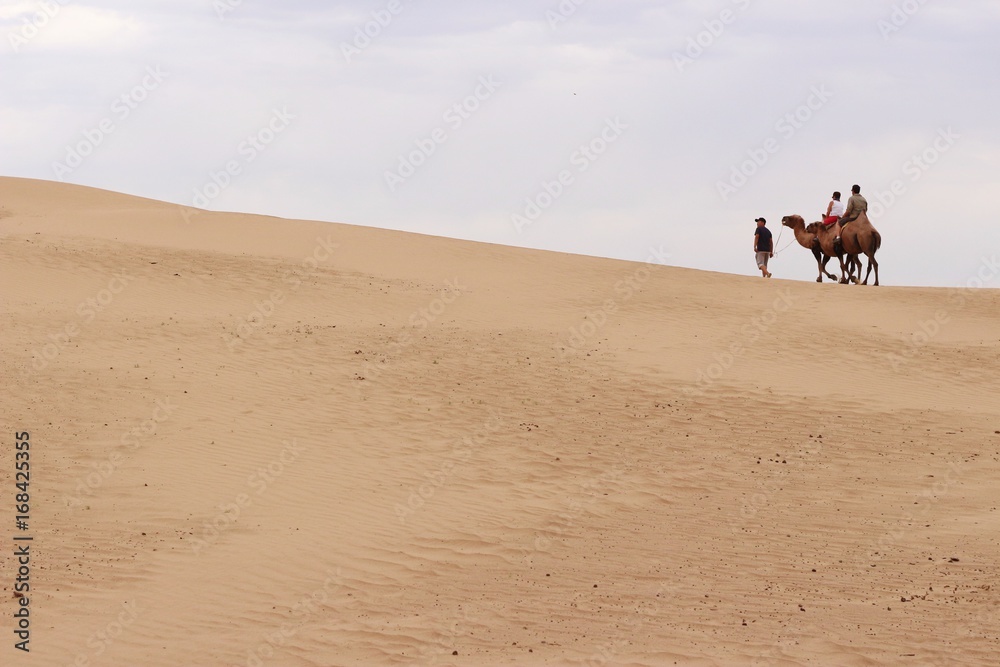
[763,246]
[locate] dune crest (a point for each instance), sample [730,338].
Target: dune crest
[270,442]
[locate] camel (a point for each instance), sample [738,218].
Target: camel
[827,236]
[810,241]
[860,237]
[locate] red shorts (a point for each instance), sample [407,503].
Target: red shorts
[829,220]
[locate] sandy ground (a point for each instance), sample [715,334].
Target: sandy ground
[266,442]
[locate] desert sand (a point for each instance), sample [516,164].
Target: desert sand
[257,441]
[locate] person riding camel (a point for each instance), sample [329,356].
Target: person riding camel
[856,205]
[834,210]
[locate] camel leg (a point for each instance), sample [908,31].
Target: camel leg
[843,269]
[828,274]
[819,263]
[839,250]
[852,264]
[822,259]
[872,262]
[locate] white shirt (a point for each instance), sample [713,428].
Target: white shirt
[838,208]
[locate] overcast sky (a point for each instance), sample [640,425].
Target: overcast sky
[628,124]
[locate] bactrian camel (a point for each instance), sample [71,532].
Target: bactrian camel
[809,241]
[859,237]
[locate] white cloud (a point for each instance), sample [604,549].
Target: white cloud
[13,12]
[63,26]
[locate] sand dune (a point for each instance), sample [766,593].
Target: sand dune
[268,442]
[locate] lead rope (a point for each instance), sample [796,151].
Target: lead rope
[776,252]
[779,241]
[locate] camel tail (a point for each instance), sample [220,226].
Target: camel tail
[878,241]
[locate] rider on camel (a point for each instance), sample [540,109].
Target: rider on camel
[856,205]
[834,210]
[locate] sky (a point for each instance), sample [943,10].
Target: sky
[585,126]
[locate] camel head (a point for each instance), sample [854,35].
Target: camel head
[793,221]
[812,227]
